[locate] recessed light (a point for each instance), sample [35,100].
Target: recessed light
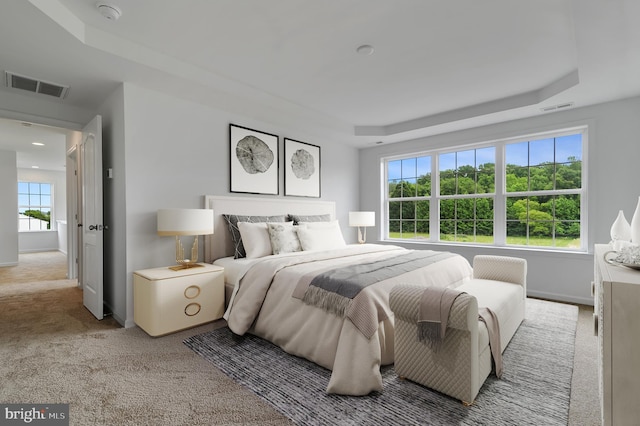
[35,167]
[37,143]
[365,50]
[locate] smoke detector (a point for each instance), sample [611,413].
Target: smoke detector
[109,11]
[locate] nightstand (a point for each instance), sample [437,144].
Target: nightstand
[165,301]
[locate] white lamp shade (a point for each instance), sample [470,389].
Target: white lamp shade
[362,218]
[185,222]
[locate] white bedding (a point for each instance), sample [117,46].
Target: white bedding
[263,305]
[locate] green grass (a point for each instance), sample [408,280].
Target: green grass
[488,239]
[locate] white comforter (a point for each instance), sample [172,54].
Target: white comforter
[263,305]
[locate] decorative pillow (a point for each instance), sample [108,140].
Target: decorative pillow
[284,238]
[232,221]
[321,236]
[255,239]
[296,218]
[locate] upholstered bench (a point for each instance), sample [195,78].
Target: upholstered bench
[462,362]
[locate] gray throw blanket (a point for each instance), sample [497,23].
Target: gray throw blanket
[435,305]
[333,290]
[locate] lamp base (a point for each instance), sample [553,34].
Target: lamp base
[183,263]
[362,235]
[185,266]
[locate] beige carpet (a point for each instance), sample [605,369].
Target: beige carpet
[53,351]
[40,266]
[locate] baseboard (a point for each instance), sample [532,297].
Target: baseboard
[561,297]
[2,265]
[119,320]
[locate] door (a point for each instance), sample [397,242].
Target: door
[73,215]
[91,223]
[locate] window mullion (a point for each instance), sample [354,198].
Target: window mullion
[434,204]
[500,203]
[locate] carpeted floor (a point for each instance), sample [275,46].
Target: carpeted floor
[53,350]
[534,389]
[40,266]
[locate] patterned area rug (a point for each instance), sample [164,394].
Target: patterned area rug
[534,390]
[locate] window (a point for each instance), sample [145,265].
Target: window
[518,192]
[543,185]
[34,206]
[409,187]
[467,187]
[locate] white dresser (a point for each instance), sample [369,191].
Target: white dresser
[617,315]
[165,301]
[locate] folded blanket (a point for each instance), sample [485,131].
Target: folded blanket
[493,327]
[435,305]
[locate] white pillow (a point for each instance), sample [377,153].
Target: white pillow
[255,238]
[322,225]
[320,236]
[284,238]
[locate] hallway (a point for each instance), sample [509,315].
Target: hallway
[39,266]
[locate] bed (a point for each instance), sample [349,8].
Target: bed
[298,300]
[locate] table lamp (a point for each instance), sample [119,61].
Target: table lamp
[185,222]
[362,220]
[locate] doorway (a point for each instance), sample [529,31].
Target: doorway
[41,156]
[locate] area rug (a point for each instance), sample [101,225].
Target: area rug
[535,388]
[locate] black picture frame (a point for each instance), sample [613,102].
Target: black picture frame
[253,161]
[303,174]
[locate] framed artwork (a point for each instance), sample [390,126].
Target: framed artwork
[302,169]
[254,161]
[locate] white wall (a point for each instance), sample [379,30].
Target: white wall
[613,154]
[45,240]
[8,209]
[115,215]
[167,153]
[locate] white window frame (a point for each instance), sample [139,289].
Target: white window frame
[499,196]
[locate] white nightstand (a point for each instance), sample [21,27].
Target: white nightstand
[165,301]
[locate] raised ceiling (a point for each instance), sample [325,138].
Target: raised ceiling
[438,66]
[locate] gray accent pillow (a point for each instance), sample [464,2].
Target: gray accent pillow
[297,218]
[284,238]
[232,221]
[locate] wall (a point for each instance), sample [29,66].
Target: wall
[114,193]
[613,154]
[8,209]
[168,153]
[45,240]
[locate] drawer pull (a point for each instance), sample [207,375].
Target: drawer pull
[595,324]
[192,309]
[593,288]
[192,292]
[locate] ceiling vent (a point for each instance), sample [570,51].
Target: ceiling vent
[557,107]
[32,85]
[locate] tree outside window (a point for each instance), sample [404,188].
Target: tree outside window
[34,206]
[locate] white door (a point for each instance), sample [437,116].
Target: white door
[92,226]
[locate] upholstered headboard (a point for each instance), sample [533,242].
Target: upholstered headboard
[220,244]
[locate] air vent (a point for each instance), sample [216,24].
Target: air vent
[557,107]
[33,85]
